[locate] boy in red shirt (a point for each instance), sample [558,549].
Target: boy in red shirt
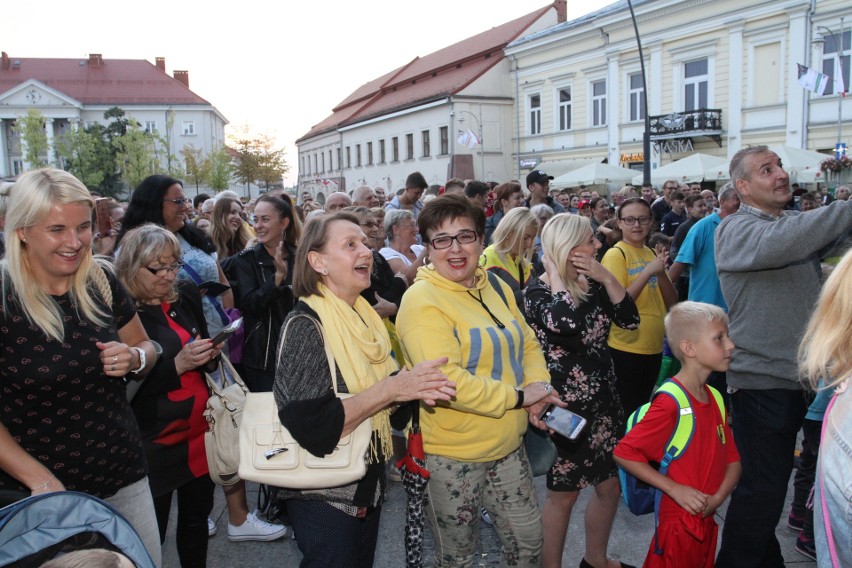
[702,478]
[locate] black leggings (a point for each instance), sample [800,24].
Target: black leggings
[195,501]
[635,377]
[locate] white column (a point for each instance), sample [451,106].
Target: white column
[4,157]
[797,111]
[51,151]
[734,109]
[613,104]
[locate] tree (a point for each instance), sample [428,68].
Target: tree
[257,159]
[34,138]
[221,168]
[87,156]
[197,166]
[134,155]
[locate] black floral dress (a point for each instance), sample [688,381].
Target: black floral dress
[574,338]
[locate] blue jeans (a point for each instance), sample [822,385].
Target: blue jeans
[329,537]
[765,425]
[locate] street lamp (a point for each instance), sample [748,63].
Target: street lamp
[838,46]
[481,148]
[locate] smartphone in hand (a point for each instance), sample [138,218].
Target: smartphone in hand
[563,421]
[227,332]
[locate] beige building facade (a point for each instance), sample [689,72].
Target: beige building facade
[721,74]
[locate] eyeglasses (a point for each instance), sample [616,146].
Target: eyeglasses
[463,238]
[630,221]
[180,201]
[160,272]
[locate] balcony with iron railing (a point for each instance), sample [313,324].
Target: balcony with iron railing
[705,122]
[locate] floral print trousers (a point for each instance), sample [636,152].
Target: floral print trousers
[458,490]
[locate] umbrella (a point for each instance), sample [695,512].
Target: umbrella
[594,174]
[802,165]
[688,170]
[414,475]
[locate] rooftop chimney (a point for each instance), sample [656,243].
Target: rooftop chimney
[561,10]
[161,64]
[96,59]
[183,77]
[4,62]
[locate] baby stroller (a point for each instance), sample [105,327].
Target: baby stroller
[42,527]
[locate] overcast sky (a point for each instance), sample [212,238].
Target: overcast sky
[277,67]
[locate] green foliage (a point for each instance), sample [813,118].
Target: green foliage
[220,169]
[135,155]
[34,138]
[257,160]
[87,156]
[197,166]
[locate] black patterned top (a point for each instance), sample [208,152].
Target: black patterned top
[58,404]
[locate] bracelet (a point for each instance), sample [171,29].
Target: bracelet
[520,402]
[43,486]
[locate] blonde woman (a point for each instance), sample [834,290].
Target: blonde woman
[826,351]
[71,336]
[509,255]
[570,308]
[229,233]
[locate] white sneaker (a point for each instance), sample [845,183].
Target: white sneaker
[211,527]
[255,529]
[486,517]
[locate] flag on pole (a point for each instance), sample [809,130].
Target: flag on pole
[464,137]
[812,80]
[472,139]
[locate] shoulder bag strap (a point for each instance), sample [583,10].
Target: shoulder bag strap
[328,354]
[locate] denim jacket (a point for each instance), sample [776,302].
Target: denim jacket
[835,476]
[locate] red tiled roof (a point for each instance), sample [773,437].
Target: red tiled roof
[439,74]
[115,82]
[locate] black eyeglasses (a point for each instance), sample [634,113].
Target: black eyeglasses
[180,201]
[630,221]
[160,272]
[463,238]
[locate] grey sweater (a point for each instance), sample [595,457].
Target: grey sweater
[770,275]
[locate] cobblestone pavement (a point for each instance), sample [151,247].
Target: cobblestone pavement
[629,542]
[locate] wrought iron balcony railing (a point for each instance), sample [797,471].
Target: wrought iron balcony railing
[701,122]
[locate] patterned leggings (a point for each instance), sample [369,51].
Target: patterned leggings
[457,490]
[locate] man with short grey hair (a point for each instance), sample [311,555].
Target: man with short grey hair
[841,193]
[337,201]
[365,196]
[768,261]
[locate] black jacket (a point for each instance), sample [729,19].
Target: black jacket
[264,305]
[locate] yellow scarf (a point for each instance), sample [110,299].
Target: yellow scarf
[361,349]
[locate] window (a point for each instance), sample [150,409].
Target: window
[637,100]
[339,163]
[445,140]
[427,145]
[357,154]
[330,162]
[534,104]
[369,153]
[188,127]
[599,103]
[348,157]
[316,169]
[150,126]
[409,146]
[564,113]
[695,85]
[395,148]
[322,161]
[381,151]
[833,62]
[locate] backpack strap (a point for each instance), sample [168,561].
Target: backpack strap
[495,282]
[684,428]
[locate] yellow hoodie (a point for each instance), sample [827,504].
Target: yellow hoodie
[439,318]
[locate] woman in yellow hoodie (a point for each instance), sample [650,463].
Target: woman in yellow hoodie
[473,442]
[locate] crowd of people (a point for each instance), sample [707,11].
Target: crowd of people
[481,303]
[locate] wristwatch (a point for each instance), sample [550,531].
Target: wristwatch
[143,360]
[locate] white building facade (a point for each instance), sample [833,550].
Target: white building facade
[721,74]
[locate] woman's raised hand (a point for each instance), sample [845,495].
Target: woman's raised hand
[117,358]
[425,381]
[658,265]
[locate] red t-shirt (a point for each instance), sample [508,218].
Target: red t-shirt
[703,464]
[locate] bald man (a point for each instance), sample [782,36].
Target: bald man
[337,201]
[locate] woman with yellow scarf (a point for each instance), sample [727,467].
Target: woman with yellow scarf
[339,526]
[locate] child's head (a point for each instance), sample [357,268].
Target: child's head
[659,242]
[699,331]
[676,199]
[826,350]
